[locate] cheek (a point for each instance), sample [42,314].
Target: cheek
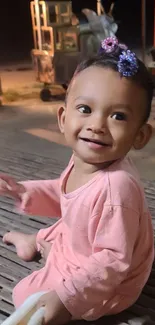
[122,133]
[73,124]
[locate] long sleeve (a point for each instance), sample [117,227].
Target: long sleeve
[42,198]
[113,238]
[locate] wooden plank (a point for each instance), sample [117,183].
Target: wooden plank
[6,295]
[11,214]
[7,224]
[12,256]
[6,283]
[11,274]
[141,311]
[5,227]
[6,307]
[20,269]
[2,316]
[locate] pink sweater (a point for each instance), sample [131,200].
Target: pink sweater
[103,245]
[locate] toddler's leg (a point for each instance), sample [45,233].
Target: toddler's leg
[25,244]
[36,282]
[42,280]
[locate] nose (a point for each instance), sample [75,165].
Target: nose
[97,125]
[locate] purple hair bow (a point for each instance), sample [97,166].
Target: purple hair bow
[127,62]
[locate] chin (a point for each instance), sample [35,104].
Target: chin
[93,160]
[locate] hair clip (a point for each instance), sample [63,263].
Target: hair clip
[109,44]
[127,64]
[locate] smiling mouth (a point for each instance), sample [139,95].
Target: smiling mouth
[95,141]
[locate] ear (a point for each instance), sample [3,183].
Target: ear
[143,136]
[61,118]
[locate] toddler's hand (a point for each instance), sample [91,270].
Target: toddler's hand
[55,312]
[8,186]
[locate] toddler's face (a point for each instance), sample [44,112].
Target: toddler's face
[103,117]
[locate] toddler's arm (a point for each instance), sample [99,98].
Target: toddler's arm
[41,198]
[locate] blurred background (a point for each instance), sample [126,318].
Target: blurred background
[16,39]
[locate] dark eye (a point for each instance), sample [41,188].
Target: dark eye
[84,109]
[119,116]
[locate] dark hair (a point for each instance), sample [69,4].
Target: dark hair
[110,60]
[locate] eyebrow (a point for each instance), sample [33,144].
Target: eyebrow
[126,106]
[82,97]
[115,106]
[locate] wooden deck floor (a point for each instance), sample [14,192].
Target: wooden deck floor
[22,165]
[12,269]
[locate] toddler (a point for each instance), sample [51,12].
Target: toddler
[100,252]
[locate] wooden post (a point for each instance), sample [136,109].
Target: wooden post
[0,92]
[37,12]
[154,27]
[99,7]
[143,11]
